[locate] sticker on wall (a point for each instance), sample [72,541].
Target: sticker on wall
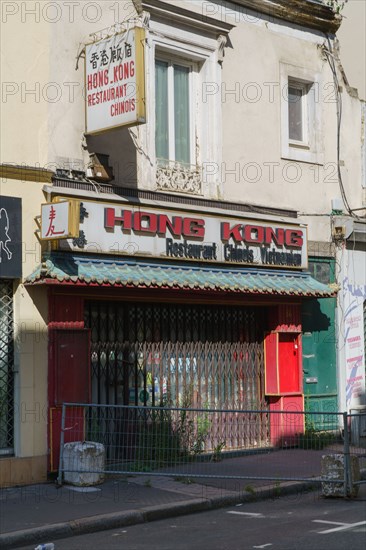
[10,237]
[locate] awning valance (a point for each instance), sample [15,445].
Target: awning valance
[84,270]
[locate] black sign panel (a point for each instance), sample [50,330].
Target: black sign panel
[10,238]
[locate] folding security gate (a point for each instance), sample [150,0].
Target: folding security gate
[6,368]
[176,355]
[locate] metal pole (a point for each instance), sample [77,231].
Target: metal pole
[62,441]
[347,462]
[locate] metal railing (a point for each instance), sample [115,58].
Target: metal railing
[267,446]
[356,422]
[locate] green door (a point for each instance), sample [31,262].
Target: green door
[319,347]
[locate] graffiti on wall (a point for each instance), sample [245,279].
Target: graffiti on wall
[354,296]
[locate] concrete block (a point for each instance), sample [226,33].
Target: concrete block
[332,468]
[84,459]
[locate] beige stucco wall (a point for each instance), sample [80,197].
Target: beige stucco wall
[30,338]
[252,64]
[39,49]
[352,38]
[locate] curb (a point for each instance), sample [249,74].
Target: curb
[115,520]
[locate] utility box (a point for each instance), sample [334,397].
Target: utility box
[358,426]
[84,463]
[332,469]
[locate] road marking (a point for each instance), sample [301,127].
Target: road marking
[329,522]
[246,514]
[82,489]
[343,527]
[263,545]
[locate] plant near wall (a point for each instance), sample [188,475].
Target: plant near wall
[192,434]
[202,431]
[336,5]
[217,452]
[158,442]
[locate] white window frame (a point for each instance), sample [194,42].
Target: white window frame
[193,114]
[310,148]
[204,54]
[303,88]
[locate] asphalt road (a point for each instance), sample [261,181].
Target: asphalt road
[298,522]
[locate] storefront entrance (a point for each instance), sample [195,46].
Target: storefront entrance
[176,355]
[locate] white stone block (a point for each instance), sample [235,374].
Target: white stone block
[86,458]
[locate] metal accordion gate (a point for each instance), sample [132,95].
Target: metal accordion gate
[179,355]
[6,368]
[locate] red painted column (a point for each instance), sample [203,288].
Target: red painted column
[68,363]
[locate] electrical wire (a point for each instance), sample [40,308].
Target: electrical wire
[331,58]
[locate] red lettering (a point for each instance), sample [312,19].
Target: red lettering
[124,71]
[174,226]
[276,236]
[97,80]
[193,227]
[254,234]
[294,238]
[110,219]
[145,222]
[228,232]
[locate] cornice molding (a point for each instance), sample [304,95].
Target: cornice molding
[306,13]
[179,15]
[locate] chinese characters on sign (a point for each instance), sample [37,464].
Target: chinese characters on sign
[51,231]
[114,81]
[59,220]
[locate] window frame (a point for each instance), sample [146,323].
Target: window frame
[173,59]
[310,148]
[168,37]
[304,89]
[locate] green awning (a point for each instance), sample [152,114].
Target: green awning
[83,270]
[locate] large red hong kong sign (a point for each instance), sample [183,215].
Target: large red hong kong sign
[149,223]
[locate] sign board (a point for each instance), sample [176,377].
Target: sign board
[60,220]
[10,237]
[115,81]
[188,236]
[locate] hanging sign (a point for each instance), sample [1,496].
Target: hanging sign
[115,81]
[60,220]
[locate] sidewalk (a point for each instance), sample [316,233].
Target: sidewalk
[44,513]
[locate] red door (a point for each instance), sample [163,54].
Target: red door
[288,363]
[69,380]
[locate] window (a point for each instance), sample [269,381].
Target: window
[173,112]
[297,114]
[322,269]
[183,135]
[301,125]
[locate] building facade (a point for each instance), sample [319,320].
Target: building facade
[190,169]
